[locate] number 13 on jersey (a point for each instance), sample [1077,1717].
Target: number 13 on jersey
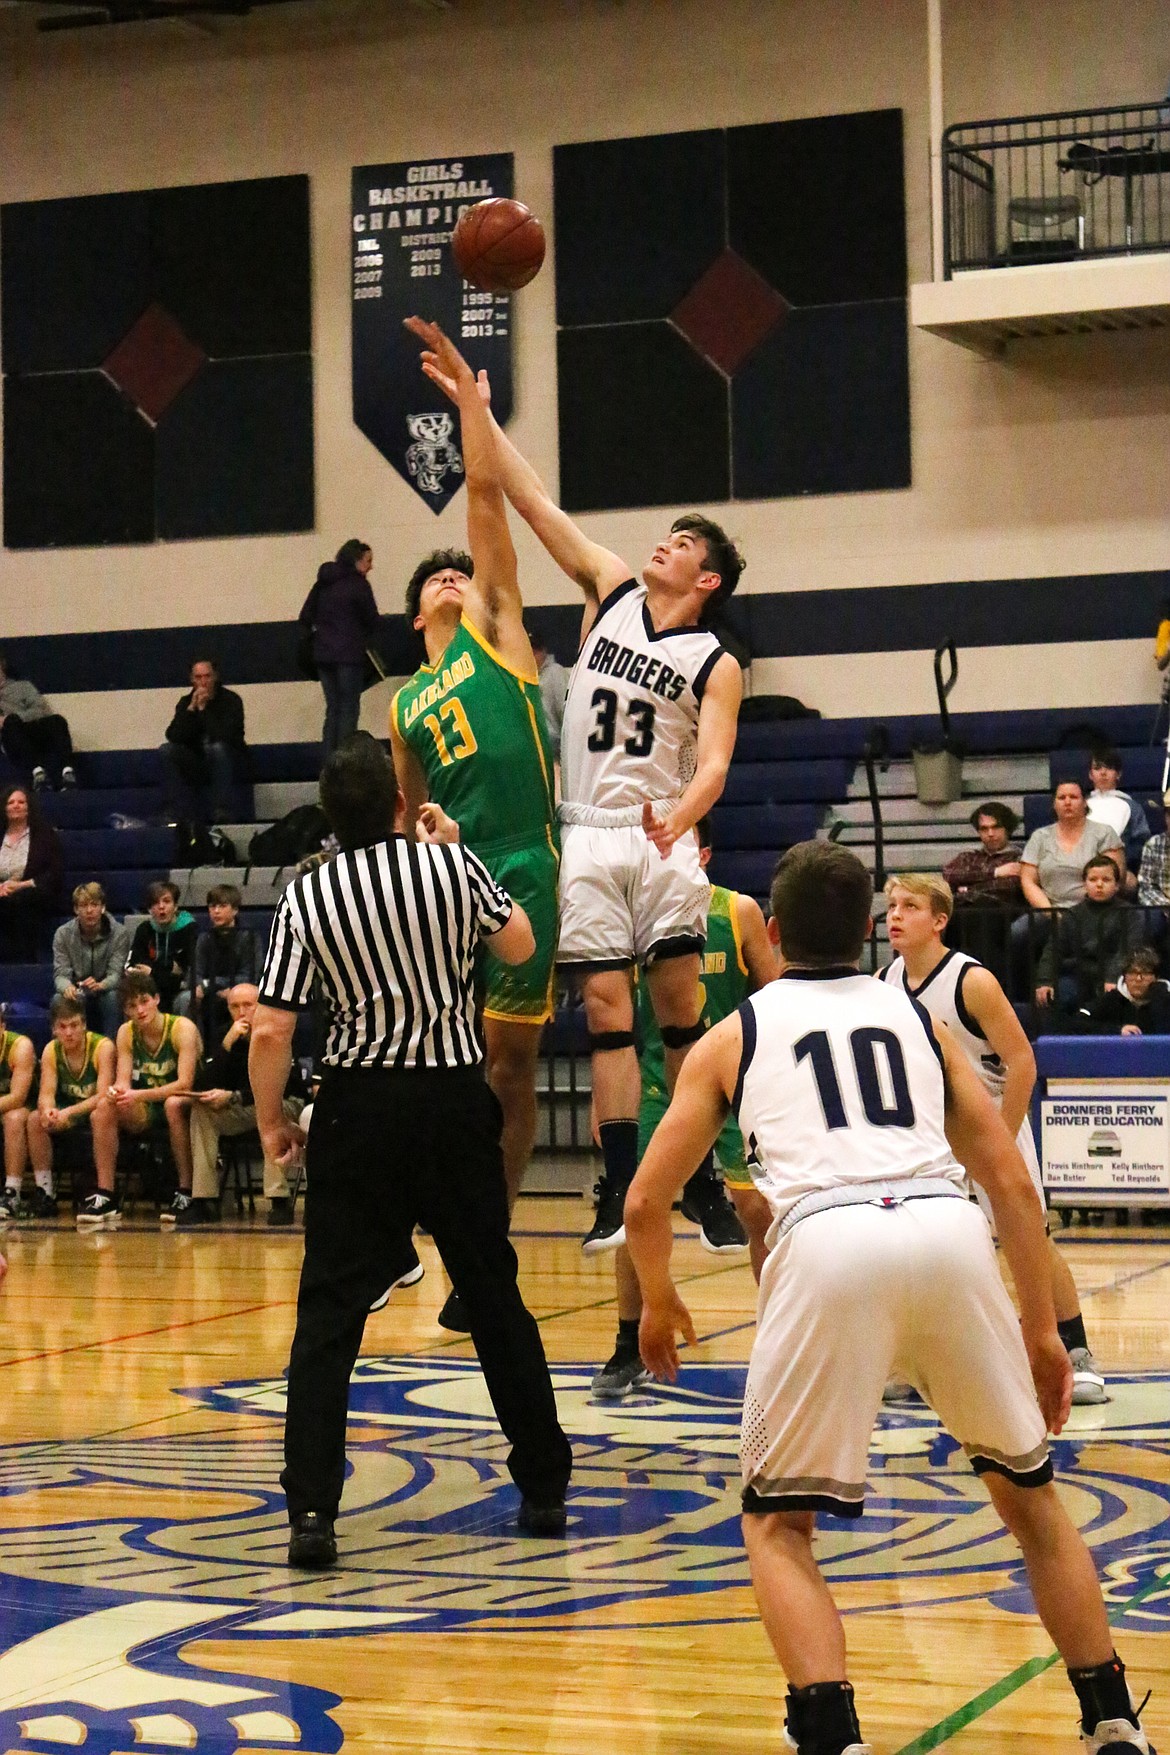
[459,728]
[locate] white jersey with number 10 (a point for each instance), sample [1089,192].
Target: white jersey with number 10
[632,711]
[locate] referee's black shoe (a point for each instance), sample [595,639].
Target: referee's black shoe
[541,1519]
[312,1545]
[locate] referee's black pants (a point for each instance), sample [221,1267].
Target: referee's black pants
[388,1150]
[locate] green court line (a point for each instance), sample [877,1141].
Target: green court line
[965,1715]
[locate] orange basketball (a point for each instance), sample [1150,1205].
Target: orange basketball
[498,245]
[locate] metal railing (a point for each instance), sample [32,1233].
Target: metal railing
[1056,188]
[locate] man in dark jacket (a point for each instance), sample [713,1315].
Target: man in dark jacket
[34,738]
[341,614]
[204,746]
[1138,1006]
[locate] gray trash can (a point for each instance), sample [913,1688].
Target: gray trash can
[938,775]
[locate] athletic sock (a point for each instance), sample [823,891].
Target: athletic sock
[704,1174]
[627,1337]
[619,1148]
[1103,1693]
[821,1718]
[1072,1332]
[44,1181]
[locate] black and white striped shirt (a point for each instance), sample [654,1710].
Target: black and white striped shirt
[392,931]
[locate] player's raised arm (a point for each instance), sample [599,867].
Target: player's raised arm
[492,597]
[408,769]
[718,722]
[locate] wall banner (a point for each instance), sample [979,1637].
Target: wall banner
[403,217]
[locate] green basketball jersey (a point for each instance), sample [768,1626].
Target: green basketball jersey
[151,1068]
[723,978]
[477,727]
[8,1041]
[80,1086]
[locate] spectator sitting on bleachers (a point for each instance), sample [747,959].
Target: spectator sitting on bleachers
[1154,876]
[204,747]
[1138,1006]
[30,875]
[164,946]
[1123,814]
[73,1126]
[89,956]
[224,1105]
[18,1063]
[225,955]
[991,872]
[157,1058]
[34,738]
[1090,942]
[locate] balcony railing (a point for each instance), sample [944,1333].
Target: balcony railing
[1057,188]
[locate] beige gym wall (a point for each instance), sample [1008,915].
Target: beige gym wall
[1050,462]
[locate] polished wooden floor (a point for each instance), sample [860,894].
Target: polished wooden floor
[141,1529]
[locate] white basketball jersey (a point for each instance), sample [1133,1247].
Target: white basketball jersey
[632,711]
[841,1083]
[942,995]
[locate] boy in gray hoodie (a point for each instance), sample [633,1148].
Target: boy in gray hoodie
[89,955]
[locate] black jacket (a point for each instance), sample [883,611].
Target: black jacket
[1107,1015]
[221,721]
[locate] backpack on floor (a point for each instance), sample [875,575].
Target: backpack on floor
[293,838]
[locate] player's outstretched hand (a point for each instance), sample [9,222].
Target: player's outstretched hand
[656,1335]
[442,361]
[658,830]
[1053,1377]
[435,826]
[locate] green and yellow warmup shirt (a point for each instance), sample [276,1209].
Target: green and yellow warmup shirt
[8,1042]
[723,977]
[477,728]
[152,1067]
[77,1087]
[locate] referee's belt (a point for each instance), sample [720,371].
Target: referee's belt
[869,1194]
[596,816]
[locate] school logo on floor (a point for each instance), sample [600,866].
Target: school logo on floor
[116,1555]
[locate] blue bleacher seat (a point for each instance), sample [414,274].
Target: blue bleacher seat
[1103,1057]
[782,782]
[104,850]
[763,825]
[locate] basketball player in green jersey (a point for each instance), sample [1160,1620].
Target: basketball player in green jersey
[74,1112]
[157,1058]
[736,960]
[18,1063]
[468,732]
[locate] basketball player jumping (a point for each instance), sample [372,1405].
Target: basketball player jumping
[862,1114]
[648,733]
[960,993]
[468,732]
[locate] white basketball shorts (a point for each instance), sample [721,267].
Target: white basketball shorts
[1027,1145]
[621,902]
[852,1296]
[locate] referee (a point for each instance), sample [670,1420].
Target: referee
[405,1129]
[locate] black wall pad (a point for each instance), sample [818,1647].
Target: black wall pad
[74,276]
[232,261]
[235,451]
[637,222]
[643,420]
[818,207]
[78,463]
[822,407]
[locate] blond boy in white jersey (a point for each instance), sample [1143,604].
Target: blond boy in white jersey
[863,1114]
[961,993]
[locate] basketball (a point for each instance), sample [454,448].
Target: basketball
[498,245]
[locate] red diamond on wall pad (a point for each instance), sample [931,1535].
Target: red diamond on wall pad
[729,311]
[153,362]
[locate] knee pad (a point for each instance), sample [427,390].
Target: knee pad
[682,1035]
[610,1041]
